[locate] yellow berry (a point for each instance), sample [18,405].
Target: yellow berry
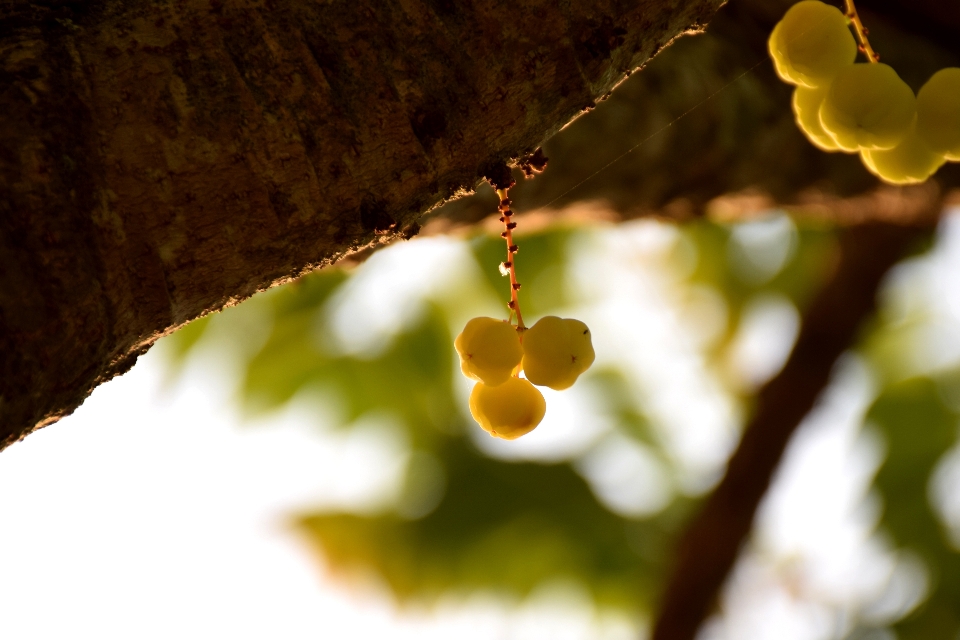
[806,110]
[489,350]
[910,162]
[509,410]
[811,44]
[938,112]
[556,351]
[868,106]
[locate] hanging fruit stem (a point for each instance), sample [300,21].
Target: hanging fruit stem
[506,217]
[861,31]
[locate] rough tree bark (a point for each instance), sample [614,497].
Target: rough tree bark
[160,160]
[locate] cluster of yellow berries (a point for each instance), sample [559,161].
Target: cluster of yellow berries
[864,108]
[552,353]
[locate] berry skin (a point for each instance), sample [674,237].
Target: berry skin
[509,410]
[811,44]
[806,111]
[938,112]
[868,106]
[489,350]
[556,351]
[910,162]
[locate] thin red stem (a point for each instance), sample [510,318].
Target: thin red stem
[506,216]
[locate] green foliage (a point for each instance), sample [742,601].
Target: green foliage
[412,378]
[540,267]
[618,400]
[798,279]
[180,343]
[289,359]
[507,526]
[918,429]
[498,525]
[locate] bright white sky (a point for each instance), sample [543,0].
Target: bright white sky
[153,512]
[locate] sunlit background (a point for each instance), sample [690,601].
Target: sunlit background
[304,465]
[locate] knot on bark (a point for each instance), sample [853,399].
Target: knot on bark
[533,163]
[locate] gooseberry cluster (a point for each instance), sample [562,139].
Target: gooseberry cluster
[552,353]
[865,108]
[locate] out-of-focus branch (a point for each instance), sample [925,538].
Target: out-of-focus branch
[709,548]
[916,205]
[911,206]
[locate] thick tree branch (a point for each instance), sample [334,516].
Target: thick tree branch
[709,547]
[159,160]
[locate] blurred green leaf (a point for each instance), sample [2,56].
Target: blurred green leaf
[411,379]
[918,430]
[179,344]
[620,402]
[540,267]
[798,279]
[803,275]
[289,358]
[505,526]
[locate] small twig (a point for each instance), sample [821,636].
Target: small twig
[862,32]
[509,225]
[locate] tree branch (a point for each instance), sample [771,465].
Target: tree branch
[709,548]
[161,160]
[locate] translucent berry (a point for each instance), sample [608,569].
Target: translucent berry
[910,162]
[556,351]
[938,112]
[868,106]
[489,350]
[811,44]
[508,410]
[806,110]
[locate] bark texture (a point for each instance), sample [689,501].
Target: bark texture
[161,160]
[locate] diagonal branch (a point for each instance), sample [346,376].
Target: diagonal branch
[709,547]
[161,160]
